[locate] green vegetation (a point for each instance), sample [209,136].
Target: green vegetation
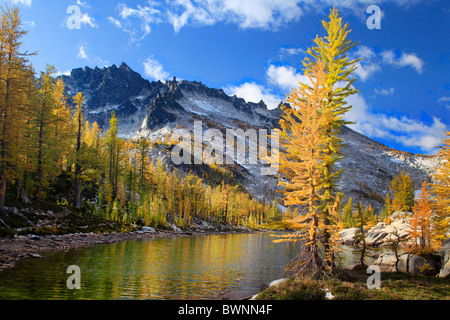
[402,191]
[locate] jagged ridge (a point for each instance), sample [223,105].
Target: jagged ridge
[154,109]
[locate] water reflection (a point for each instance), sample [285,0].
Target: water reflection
[178,268]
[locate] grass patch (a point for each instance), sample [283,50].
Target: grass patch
[351,285]
[409,287]
[294,289]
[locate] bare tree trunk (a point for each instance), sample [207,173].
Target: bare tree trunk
[77,192]
[23,195]
[363,252]
[3,222]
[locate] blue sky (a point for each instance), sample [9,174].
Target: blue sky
[254,48]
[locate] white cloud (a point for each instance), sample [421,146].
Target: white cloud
[247,14]
[265,14]
[86,19]
[369,64]
[183,12]
[83,4]
[371,61]
[403,130]
[252,92]
[24,2]
[282,77]
[285,77]
[412,60]
[115,22]
[385,92]
[360,6]
[63,73]
[364,72]
[80,18]
[446,101]
[137,22]
[155,70]
[427,139]
[82,53]
[406,131]
[285,52]
[405,60]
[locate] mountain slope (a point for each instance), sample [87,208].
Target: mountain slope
[155,109]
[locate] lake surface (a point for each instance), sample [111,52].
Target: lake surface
[174,268]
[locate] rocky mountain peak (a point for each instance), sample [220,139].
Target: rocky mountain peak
[125,67]
[106,86]
[154,109]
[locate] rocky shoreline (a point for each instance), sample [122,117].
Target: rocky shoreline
[32,246]
[388,236]
[32,231]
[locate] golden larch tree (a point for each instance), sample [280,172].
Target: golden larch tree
[441,190]
[332,50]
[402,190]
[13,64]
[421,223]
[301,163]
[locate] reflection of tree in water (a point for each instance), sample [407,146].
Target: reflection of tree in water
[165,268]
